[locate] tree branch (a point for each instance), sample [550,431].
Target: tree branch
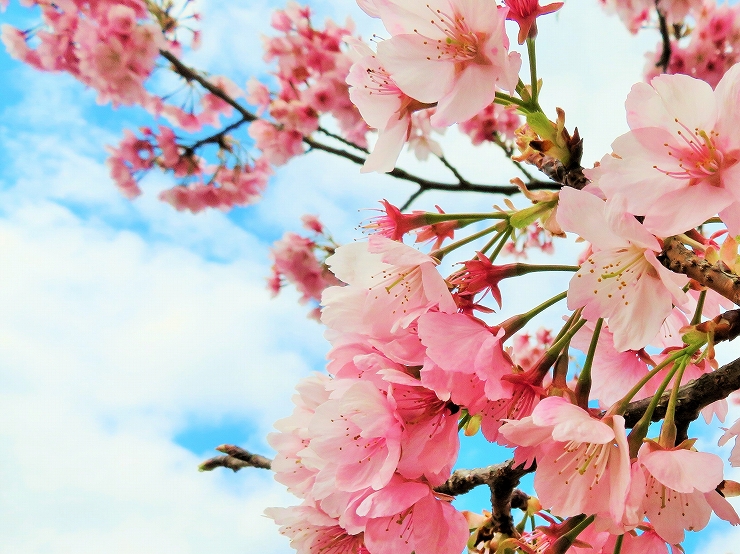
[465,480]
[665,56]
[217,138]
[678,258]
[424,184]
[235,459]
[343,140]
[692,397]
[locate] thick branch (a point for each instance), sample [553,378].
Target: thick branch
[678,258]
[465,480]
[692,397]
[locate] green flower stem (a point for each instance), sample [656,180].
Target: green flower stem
[640,430]
[566,541]
[506,100]
[432,217]
[618,544]
[523,269]
[439,254]
[564,341]
[547,360]
[691,242]
[491,242]
[575,316]
[668,430]
[501,243]
[517,322]
[699,308]
[620,407]
[533,72]
[583,386]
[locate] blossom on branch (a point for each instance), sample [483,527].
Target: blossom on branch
[622,280]
[678,166]
[462,43]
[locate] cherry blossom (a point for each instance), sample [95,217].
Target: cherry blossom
[622,280]
[678,165]
[462,43]
[407,517]
[679,487]
[383,106]
[390,286]
[582,463]
[311,531]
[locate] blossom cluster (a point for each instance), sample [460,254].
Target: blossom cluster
[301,261]
[710,49]
[464,44]
[416,356]
[107,45]
[237,185]
[419,347]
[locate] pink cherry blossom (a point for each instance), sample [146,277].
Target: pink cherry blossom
[582,462]
[462,43]
[293,437]
[277,145]
[430,441]
[359,433]
[393,224]
[679,487]
[294,259]
[311,531]
[463,344]
[491,123]
[678,165]
[390,286]
[406,516]
[480,274]
[623,280]
[633,13]
[383,106]
[732,431]
[437,232]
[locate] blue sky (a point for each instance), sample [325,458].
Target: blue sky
[134,338]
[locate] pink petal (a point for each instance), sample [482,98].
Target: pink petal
[683,470]
[410,62]
[681,210]
[583,213]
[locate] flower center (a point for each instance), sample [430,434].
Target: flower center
[578,457]
[699,159]
[461,43]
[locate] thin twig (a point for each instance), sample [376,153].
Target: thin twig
[216,138]
[455,172]
[692,397]
[665,56]
[427,184]
[406,205]
[343,140]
